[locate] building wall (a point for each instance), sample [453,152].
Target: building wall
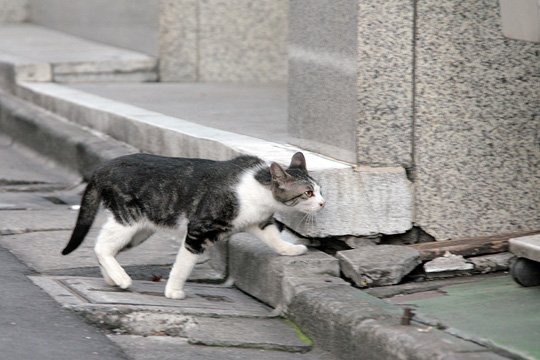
[13,11]
[477,124]
[132,24]
[437,90]
[224,40]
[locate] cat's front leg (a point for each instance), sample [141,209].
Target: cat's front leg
[271,236]
[183,265]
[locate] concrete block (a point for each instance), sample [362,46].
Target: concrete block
[447,265]
[259,271]
[477,108]
[491,263]
[378,265]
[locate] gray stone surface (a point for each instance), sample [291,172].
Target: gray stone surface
[130,24]
[382,197]
[169,348]
[269,334]
[378,265]
[447,265]
[491,263]
[23,166]
[384,87]
[178,51]
[70,58]
[352,324]
[243,40]
[259,271]
[220,106]
[13,11]
[477,101]
[526,246]
[99,301]
[21,221]
[323,78]
[232,41]
[41,250]
[66,143]
[345,101]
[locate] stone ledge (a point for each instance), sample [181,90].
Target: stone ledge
[67,143]
[37,53]
[361,200]
[259,271]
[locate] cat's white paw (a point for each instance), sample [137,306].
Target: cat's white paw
[124,282]
[175,294]
[294,250]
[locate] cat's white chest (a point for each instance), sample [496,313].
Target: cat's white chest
[256,203]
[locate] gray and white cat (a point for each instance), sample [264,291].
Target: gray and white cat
[202,200]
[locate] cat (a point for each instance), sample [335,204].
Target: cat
[203,201]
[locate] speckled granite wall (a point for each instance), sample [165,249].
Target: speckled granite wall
[13,11]
[350,79]
[385,63]
[224,40]
[323,70]
[477,145]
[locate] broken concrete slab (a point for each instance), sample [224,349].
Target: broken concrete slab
[491,263]
[447,265]
[268,334]
[294,285]
[169,348]
[378,265]
[259,271]
[96,300]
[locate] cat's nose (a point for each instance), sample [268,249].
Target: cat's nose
[322,203]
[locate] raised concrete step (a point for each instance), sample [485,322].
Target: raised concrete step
[361,200]
[39,54]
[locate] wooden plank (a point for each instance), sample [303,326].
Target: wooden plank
[468,246]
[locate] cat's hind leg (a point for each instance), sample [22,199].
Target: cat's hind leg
[113,238]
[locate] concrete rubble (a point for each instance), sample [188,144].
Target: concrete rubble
[448,265]
[378,265]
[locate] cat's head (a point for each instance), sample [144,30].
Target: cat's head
[294,188]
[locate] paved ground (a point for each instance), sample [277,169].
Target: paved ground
[255,110]
[214,322]
[493,309]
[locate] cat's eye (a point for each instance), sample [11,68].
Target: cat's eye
[309,193]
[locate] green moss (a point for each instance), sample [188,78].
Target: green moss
[305,339]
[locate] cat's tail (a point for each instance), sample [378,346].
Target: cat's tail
[87,213]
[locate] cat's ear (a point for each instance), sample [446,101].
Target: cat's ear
[298,161]
[278,174]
